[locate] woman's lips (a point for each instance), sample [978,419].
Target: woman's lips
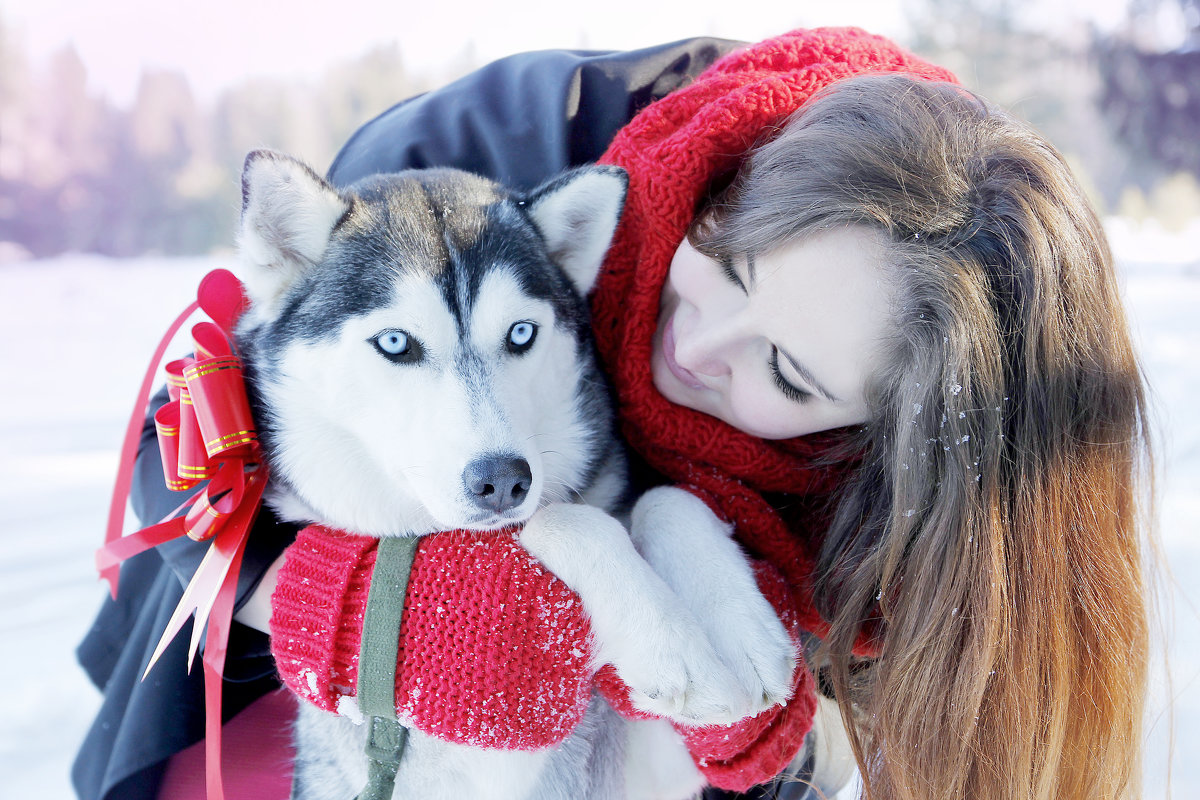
[684,376]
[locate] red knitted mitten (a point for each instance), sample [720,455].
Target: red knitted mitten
[494,650]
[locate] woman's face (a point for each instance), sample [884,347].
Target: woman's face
[782,344]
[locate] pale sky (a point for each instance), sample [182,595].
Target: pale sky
[221,42]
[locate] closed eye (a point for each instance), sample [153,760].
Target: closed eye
[731,275]
[789,389]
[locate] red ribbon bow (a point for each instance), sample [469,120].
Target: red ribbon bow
[205,432]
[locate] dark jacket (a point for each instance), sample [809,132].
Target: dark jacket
[519,121]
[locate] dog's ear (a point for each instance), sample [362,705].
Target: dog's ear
[288,214]
[577,215]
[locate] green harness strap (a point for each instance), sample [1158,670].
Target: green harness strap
[377,664]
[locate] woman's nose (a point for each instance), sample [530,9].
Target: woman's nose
[708,349]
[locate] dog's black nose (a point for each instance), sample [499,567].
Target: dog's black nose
[498,483]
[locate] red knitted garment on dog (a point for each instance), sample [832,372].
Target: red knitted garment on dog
[493,648]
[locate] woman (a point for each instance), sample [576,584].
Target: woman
[968,521]
[986,537]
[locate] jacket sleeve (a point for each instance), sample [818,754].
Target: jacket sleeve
[525,118]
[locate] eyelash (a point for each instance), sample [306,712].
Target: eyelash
[792,392]
[731,274]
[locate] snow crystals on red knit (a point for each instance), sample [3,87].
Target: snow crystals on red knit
[494,650]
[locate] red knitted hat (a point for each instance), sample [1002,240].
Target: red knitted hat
[672,150]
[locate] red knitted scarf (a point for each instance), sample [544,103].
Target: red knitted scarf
[672,150]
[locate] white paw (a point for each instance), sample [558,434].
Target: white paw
[692,551]
[749,638]
[639,625]
[673,671]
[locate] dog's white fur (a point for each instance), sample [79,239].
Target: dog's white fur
[717,585]
[362,445]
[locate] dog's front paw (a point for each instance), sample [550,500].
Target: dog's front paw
[749,638]
[640,626]
[692,551]
[672,671]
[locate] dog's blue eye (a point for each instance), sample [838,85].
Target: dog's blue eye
[393,343]
[397,346]
[521,336]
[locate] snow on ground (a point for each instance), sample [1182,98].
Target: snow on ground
[77,331]
[1161,275]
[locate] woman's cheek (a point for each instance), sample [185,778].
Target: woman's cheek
[755,411]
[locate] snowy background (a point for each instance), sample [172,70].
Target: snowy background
[76,332]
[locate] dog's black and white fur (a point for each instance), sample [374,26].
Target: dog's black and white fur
[418,352]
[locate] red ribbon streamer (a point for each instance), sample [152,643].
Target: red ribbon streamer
[205,432]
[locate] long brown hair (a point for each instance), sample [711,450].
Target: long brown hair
[991,535]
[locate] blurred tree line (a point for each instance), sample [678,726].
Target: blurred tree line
[79,174]
[1122,105]
[161,176]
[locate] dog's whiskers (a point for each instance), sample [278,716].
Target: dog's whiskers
[562,493]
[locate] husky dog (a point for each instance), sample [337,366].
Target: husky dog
[418,350]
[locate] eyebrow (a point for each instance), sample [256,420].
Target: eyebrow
[808,377]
